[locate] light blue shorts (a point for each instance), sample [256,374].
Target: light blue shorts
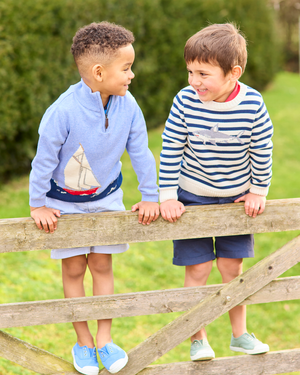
[113,202]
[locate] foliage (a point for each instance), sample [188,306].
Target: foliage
[36,65]
[33,276]
[288,13]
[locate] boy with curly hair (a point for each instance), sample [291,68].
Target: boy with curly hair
[77,169]
[217,149]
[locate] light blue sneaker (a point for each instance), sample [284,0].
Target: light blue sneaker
[85,360]
[201,350]
[248,344]
[113,357]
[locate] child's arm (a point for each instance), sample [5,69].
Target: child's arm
[171,210]
[254,204]
[143,163]
[174,140]
[53,132]
[148,211]
[45,218]
[260,152]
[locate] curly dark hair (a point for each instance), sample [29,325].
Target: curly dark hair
[103,38]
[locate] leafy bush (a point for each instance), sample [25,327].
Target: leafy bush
[36,65]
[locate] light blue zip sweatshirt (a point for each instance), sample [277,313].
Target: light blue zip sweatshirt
[78,158]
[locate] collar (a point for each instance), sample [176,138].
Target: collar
[234,93]
[87,98]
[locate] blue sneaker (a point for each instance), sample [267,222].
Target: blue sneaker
[85,360]
[113,357]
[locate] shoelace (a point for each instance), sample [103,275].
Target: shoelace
[106,351]
[85,352]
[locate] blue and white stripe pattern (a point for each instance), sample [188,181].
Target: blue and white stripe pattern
[216,149]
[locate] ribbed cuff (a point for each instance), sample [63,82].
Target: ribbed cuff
[259,191]
[166,194]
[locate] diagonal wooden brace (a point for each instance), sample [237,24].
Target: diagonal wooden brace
[33,358]
[211,307]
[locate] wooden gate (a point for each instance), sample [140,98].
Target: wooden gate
[202,305]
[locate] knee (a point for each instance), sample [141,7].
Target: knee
[100,263]
[74,268]
[199,272]
[229,268]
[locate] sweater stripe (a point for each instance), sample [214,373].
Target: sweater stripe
[217,149]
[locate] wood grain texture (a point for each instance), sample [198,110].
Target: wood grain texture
[45,363]
[132,304]
[284,361]
[204,304]
[212,307]
[122,227]
[33,358]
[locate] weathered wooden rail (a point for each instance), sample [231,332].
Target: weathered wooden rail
[202,304]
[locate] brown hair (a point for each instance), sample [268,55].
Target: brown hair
[100,40]
[220,44]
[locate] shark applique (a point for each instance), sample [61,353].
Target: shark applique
[214,136]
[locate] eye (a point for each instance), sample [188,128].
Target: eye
[127,68]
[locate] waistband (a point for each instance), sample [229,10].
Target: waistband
[62,194]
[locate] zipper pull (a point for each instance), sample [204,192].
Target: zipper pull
[106,110]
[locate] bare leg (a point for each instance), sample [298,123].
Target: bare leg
[230,269]
[100,266]
[73,271]
[197,275]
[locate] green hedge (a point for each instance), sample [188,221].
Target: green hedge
[36,65]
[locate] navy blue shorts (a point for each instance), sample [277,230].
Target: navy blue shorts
[200,250]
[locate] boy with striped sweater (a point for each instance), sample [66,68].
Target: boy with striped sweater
[217,149]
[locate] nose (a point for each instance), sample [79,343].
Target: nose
[194,80]
[131,74]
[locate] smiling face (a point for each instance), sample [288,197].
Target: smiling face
[210,82]
[117,76]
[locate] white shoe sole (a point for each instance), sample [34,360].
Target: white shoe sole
[260,350]
[118,365]
[205,356]
[87,370]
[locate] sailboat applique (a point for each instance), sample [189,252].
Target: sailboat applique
[79,177]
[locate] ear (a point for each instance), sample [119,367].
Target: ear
[97,71]
[236,72]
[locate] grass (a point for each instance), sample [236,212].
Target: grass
[30,276]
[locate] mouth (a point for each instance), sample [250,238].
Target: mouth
[201,91]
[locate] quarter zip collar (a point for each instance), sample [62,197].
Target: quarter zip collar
[87,98]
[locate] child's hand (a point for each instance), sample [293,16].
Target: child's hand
[148,211]
[171,210]
[45,218]
[254,204]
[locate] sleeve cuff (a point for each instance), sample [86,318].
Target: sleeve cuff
[166,194]
[150,198]
[259,191]
[37,202]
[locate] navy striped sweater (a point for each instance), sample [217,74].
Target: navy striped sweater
[216,149]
